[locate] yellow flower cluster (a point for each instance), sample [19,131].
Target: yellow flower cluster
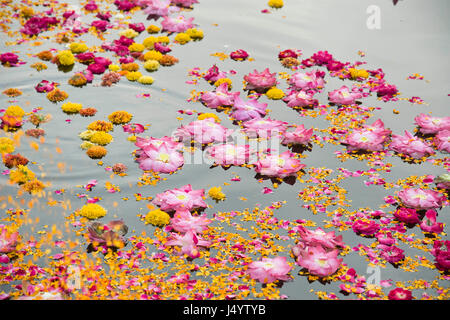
[15,111]
[153,55]
[100,125]
[163,40]
[151,65]
[120,117]
[222,80]
[133,75]
[66,58]
[136,47]
[216,194]
[114,67]
[101,138]
[86,145]
[129,33]
[92,211]
[358,73]
[182,38]
[6,145]
[276,3]
[207,115]
[33,186]
[146,80]
[21,175]
[157,218]
[71,108]
[195,34]
[149,42]
[275,93]
[77,47]
[130,66]
[153,29]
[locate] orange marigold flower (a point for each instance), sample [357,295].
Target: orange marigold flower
[45,55]
[12,92]
[96,152]
[168,60]
[120,117]
[57,95]
[88,112]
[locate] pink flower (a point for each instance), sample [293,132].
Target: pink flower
[229,154]
[369,138]
[100,25]
[400,294]
[161,48]
[343,96]
[407,215]
[431,125]
[144,143]
[429,223]
[185,3]
[160,159]
[442,140]
[125,5]
[138,27]
[421,198]
[410,146]
[322,58]
[214,74]
[184,221]
[300,99]
[288,53]
[221,97]
[391,254]
[264,128]
[103,61]
[45,86]
[299,136]
[320,237]
[37,24]
[184,198]
[318,261]
[312,80]
[260,80]
[385,238]
[177,24]
[274,165]
[189,243]
[441,252]
[96,68]
[203,131]
[443,181]
[269,270]
[133,128]
[85,57]
[239,55]
[91,6]
[158,8]
[251,109]
[365,227]
[9,57]
[8,240]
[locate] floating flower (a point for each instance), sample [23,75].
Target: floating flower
[33,186]
[288,53]
[101,138]
[110,235]
[442,140]
[21,175]
[320,237]
[441,253]
[216,194]
[9,58]
[65,58]
[189,243]
[269,270]
[429,223]
[96,152]
[159,8]
[410,146]
[77,80]
[239,55]
[45,86]
[421,198]
[12,92]
[203,131]
[431,125]
[391,254]
[157,218]
[260,80]
[110,78]
[184,221]
[407,215]
[77,47]
[119,168]
[368,138]
[151,65]
[133,128]
[57,95]
[300,136]
[14,160]
[71,108]
[274,165]
[184,198]
[358,74]
[182,38]
[221,97]
[229,154]
[400,294]
[248,110]
[177,24]
[312,80]
[45,55]
[275,93]
[120,117]
[195,34]
[8,239]
[92,211]
[443,181]
[264,128]
[365,227]
[88,112]
[146,80]
[343,96]
[6,145]
[318,261]
[300,99]
[160,158]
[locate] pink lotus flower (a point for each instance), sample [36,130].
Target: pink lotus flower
[45,86]
[385,238]
[407,215]
[391,254]
[239,55]
[158,8]
[260,80]
[221,97]
[274,165]
[400,294]
[410,146]
[299,136]
[160,159]
[429,223]
[133,128]
[184,221]
[421,198]
[269,270]
[214,74]
[319,237]
[369,138]
[312,80]
[300,99]
[365,227]
[110,235]
[343,96]
[178,199]
[203,131]
[8,240]
[189,243]
[264,128]
[144,143]
[443,181]
[431,125]
[318,261]
[229,154]
[441,253]
[442,140]
[177,24]
[251,109]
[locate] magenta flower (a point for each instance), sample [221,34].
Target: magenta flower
[229,154]
[177,24]
[8,240]
[431,125]
[365,227]
[161,48]
[289,53]
[203,131]
[407,215]
[400,294]
[421,198]
[91,6]
[213,74]
[184,198]
[312,80]
[343,96]
[260,80]
[185,3]
[37,24]
[429,223]
[322,58]
[133,128]
[442,140]
[248,110]
[103,61]
[264,128]
[104,15]
[9,57]
[158,8]
[384,89]
[85,57]
[189,243]
[88,75]
[319,237]
[125,5]
[410,146]
[391,254]
[274,165]
[300,99]
[441,253]
[318,261]
[138,27]
[100,25]
[160,159]
[45,86]
[184,221]
[239,55]
[96,68]
[385,238]
[221,97]
[300,136]
[269,270]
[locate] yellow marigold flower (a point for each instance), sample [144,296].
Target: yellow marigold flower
[77,47]
[195,34]
[92,211]
[163,40]
[120,117]
[57,95]
[133,75]
[222,80]
[12,92]
[33,186]
[157,218]
[129,33]
[39,66]
[77,80]
[70,107]
[136,47]
[275,93]
[146,80]
[21,175]
[86,135]
[151,65]
[66,58]
[101,138]
[96,152]
[15,111]
[209,115]
[86,145]
[6,145]
[130,66]
[216,194]
[276,3]
[114,67]
[27,12]
[182,38]
[153,55]
[100,125]
[358,73]
[131,138]
[153,29]
[149,42]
